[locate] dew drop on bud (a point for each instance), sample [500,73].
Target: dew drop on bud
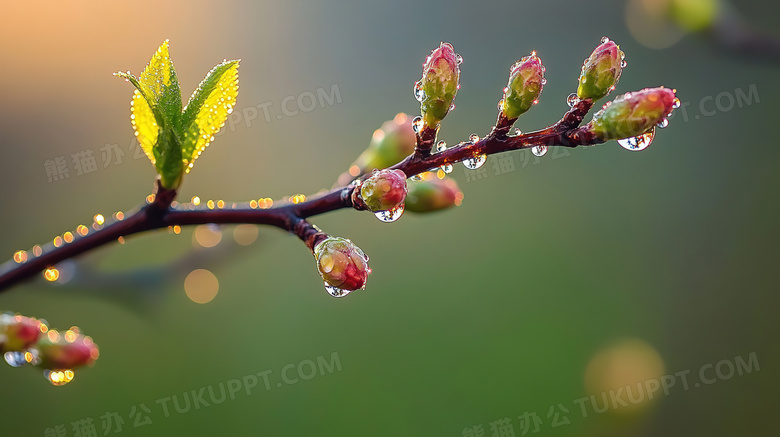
[473,138]
[663,123]
[15,359]
[390,215]
[475,162]
[623,64]
[335,291]
[539,150]
[500,105]
[676,103]
[604,40]
[544,81]
[572,100]
[452,107]
[59,377]
[441,146]
[419,94]
[638,143]
[417,124]
[458,59]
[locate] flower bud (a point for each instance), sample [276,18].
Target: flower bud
[439,84]
[526,81]
[342,264]
[66,351]
[18,332]
[432,194]
[601,71]
[384,190]
[390,144]
[633,114]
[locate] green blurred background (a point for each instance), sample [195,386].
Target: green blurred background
[586,271]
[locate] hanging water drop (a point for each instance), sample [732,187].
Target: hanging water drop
[638,143]
[419,94]
[458,59]
[572,100]
[623,64]
[475,162]
[59,377]
[390,215]
[446,168]
[676,103]
[441,146]
[335,291]
[663,123]
[539,150]
[417,124]
[15,359]
[473,138]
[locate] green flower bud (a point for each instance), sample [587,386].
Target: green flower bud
[633,114]
[384,190]
[439,84]
[601,71]
[342,264]
[17,333]
[390,144]
[432,194]
[526,81]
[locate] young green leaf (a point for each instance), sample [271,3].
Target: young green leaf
[208,109]
[156,115]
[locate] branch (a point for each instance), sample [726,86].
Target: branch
[291,216]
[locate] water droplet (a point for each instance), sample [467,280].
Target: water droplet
[572,100]
[452,107]
[335,291]
[441,146]
[473,138]
[15,359]
[500,105]
[676,103]
[417,124]
[419,94]
[539,150]
[623,64]
[638,143]
[544,81]
[59,377]
[390,215]
[475,162]
[663,123]
[458,58]
[417,177]
[604,40]
[446,168]
[518,132]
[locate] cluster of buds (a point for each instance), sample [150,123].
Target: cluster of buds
[29,341]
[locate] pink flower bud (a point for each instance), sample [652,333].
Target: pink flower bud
[526,81]
[384,190]
[66,351]
[439,83]
[20,332]
[633,114]
[342,264]
[601,71]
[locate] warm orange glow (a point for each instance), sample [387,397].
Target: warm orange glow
[265,203]
[207,236]
[82,230]
[37,250]
[20,256]
[68,237]
[51,274]
[354,170]
[245,234]
[150,198]
[253,204]
[210,204]
[195,200]
[99,219]
[57,241]
[201,286]
[177,229]
[298,198]
[400,118]
[119,215]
